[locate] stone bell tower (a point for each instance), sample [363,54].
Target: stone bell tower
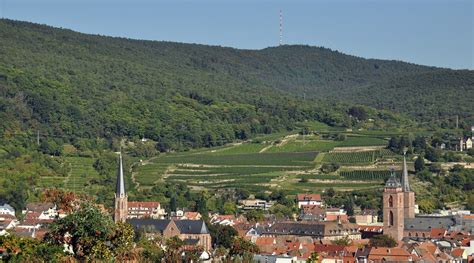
[393,208]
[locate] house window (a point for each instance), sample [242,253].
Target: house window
[390,201]
[390,218]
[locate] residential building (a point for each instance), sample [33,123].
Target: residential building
[255,204]
[7,209]
[41,211]
[145,210]
[367,217]
[308,199]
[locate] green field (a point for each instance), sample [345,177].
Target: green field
[83,177]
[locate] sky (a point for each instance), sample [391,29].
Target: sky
[428,32]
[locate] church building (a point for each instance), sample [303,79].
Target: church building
[398,204]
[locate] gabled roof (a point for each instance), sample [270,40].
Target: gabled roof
[457,252]
[308,197]
[153,225]
[39,207]
[192,227]
[437,232]
[426,223]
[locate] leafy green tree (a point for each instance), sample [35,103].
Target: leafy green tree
[174,247]
[282,211]
[419,164]
[254,215]
[18,249]
[314,258]
[87,230]
[329,167]
[344,241]
[222,236]
[242,248]
[382,241]
[229,208]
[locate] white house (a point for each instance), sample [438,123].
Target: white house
[7,209]
[309,199]
[42,211]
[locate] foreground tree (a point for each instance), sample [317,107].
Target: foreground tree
[382,241]
[92,235]
[243,249]
[18,249]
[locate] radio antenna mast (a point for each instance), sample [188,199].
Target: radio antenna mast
[281,27]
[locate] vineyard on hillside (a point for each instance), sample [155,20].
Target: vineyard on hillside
[367,175]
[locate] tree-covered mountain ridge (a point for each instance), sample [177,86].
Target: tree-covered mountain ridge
[90,85]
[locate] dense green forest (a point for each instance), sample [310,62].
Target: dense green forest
[72,85]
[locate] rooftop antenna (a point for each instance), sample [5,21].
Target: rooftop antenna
[281,27]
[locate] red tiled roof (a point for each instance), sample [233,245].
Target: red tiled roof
[262,241]
[377,229]
[457,252]
[328,248]
[430,247]
[192,214]
[308,197]
[437,232]
[7,217]
[32,215]
[391,254]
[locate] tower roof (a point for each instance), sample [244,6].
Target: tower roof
[120,191]
[405,183]
[393,181]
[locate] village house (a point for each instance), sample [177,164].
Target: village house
[7,222]
[367,217]
[191,216]
[145,210]
[255,204]
[41,211]
[7,209]
[308,199]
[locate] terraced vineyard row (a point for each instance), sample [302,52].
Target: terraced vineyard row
[219,170]
[351,157]
[367,175]
[365,157]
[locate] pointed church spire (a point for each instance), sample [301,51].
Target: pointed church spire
[405,183]
[120,191]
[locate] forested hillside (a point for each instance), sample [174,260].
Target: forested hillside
[78,85]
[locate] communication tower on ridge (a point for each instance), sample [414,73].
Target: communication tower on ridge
[281,27]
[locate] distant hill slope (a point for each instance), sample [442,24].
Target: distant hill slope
[58,76]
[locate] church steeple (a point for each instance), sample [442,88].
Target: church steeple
[120,190]
[405,183]
[121,198]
